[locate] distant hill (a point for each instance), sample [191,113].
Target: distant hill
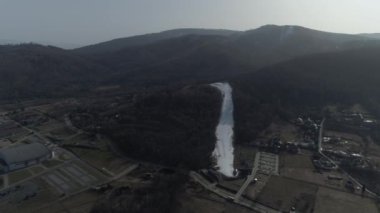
[271,43]
[371,35]
[30,71]
[120,43]
[183,56]
[9,41]
[352,74]
[185,59]
[205,57]
[345,77]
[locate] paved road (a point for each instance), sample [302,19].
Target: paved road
[249,178]
[230,196]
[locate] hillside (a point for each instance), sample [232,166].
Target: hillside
[176,57]
[155,121]
[120,43]
[271,44]
[151,125]
[186,59]
[32,71]
[193,58]
[371,35]
[292,87]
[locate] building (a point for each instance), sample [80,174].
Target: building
[18,157]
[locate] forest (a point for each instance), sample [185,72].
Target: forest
[172,127]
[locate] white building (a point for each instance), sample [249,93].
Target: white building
[18,157]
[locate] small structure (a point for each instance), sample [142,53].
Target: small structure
[22,156]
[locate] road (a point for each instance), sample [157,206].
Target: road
[249,178]
[230,196]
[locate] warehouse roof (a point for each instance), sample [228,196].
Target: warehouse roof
[23,153]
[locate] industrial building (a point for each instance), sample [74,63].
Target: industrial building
[18,157]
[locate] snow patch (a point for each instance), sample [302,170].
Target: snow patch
[224,150]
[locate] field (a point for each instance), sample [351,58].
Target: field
[18,176]
[51,163]
[282,193]
[284,130]
[334,201]
[300,167]
[204,203]
[254,189]
[296,161]
[44,196]
[36,169]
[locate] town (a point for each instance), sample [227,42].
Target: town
[47,162]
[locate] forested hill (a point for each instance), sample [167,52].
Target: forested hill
[32,71]
[371,35]
[347,75]
[178,57]
[139,40]
[313,81]
[199,57]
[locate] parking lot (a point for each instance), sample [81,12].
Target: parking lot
[268,163]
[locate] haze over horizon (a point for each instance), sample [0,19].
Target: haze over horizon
[83,22]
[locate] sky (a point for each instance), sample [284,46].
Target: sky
[72,23]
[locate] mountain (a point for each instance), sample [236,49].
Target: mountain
[290,88]
[271,43]
[9,41]
[192,58]
[176,57]
[186,59]
[371,35]
[30,71]
[120,43]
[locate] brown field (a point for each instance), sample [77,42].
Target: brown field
[18,176]
[36,169]
[300,167]
[45,196]
[286,131]
[254,189]
[82,202]
[51,163]
[204,203]
[296,161]
[282,193]
[329,200]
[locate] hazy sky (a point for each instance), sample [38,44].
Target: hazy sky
[81,22]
